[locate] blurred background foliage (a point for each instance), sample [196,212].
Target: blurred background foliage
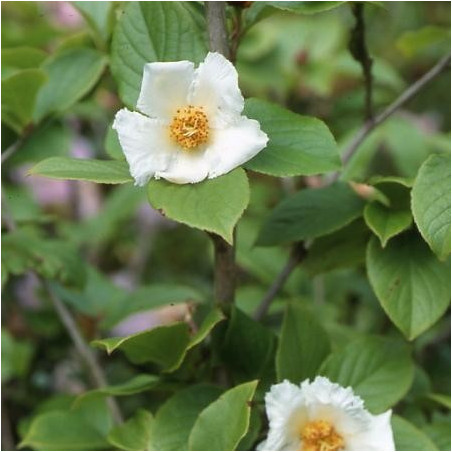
[134,261]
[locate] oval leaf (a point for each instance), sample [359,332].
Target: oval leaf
[378,370]
[100,171]
[409,437]
[214,205]
[311,213]
[154,31]
[430,202]
[303,345]
[298,145]
[412,286]
[224,422]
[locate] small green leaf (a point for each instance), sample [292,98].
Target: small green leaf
[409,437]
[379,370]
[134,434]
[248,348]
[441,399]
[71,74]
[137,384]
[99,16]
[163,345]
[212,318]
[311,213]
[176,417]
[341,249]
[214,205]
[81,428]
[303,345]
[412,286]
[112,145]
[298,145]
[430,201]
[19,93]
[386,222]
[224,422]
[154,31]
[22,57]
[100,171]
[422,40]
[16,356]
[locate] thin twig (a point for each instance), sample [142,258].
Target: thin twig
[296,256]
[358,49]
[216,26]
[82,348]
[362,134]
[71,327]
[406,96]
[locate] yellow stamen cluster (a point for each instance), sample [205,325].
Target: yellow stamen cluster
[320,435]
[189,127]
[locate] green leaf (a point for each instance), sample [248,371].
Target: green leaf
[19,93]
[99,16]
[441,399]
[46,141]
[210,321]
[409,437]
[100,171]
[137,384]
[415,42]
[71,74]
[305,7]
[379,370]
[22,57]
[386,222]
[248,347]
[430,201]
[154,31]
[214,205]
[298,145]
[311,213]
[224,422]
[340,249]
[412,286]
[134,434]
[175,419]
[112,145]
[81,428]
[16,356]
[303,345]
[439,430]
[163,345]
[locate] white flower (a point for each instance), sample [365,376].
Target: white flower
[190,125]
[323,416]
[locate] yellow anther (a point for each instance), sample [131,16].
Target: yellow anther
[189,127]
[320,435]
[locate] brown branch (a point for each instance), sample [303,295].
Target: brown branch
[297,254]
[216,27]
[406,96]
[362,134]
[358,49]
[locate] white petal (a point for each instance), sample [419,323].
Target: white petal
[145,143]
[216,87]
[165,88]
[235,145]
[187,167]
[378,436]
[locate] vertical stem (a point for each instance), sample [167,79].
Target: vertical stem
[216,26]
[225,270]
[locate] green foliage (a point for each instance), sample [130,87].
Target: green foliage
[311,213]
[71,75]
[410,283]
[16,356]
[154,31]
[298,145]
[134,434]
[82,428]
[408,437]
[214,205]
[100,171]
[177,416]
[431,203]
[99,16]
[19,97]
[379,370]
[225,421]
[303,345]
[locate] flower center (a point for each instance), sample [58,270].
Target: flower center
[189,127]
[320,435]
